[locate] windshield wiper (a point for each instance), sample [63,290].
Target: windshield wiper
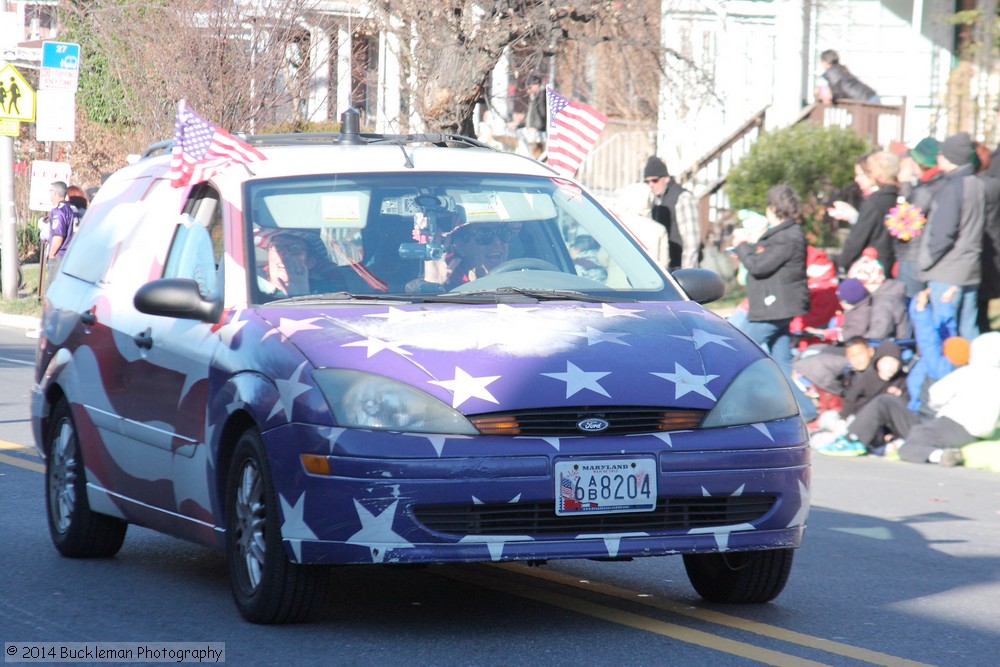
[508,294]
[340,296]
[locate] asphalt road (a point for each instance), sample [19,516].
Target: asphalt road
[900,566]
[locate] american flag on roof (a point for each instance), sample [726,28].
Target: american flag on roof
[202,149]
[573,130]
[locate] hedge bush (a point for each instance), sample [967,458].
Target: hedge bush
[817,161]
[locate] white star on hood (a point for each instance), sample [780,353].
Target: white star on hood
[288,328]
[701,338]
[464,387]
[376,532]
[376,345]
[577,380]
[395,315]
[288,390]
[686,382]
[595,336]
[611,311]
[294,528]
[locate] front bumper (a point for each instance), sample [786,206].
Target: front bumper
[405,498]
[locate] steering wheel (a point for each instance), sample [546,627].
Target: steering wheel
[523,264]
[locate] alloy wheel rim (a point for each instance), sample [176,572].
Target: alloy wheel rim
[250,517]
[62,477]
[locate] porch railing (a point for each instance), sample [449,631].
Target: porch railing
[706,178]
[619,156]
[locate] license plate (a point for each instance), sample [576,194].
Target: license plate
[605,486]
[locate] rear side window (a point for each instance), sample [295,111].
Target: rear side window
[121,222]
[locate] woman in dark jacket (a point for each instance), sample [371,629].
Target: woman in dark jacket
[876,174]
[776,276]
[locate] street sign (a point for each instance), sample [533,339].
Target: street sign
[10,128]
[61,55]
[43,173]
[17,98]
[56,115]
[60,68]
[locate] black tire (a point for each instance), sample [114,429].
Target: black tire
[76,531]
[748,577]
[267,587]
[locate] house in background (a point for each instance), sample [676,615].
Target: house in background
[764,54]
[725,61]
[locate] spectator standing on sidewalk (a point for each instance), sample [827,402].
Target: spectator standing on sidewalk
[676,209]
[919,178]
[777,286]
[989,285]
[876,174]
[62,221]
[953,241]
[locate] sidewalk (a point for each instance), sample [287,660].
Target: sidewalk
[26,322]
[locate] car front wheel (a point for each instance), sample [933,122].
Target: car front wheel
[76,531]
[267,587]
[749,577]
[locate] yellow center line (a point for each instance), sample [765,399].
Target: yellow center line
[21,463]
[621,617]
[14,447]
[718,618]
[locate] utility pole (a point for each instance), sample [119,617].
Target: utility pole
[8,220]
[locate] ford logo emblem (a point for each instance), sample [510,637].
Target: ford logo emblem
[592,425]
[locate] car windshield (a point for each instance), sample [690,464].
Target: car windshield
[420,236]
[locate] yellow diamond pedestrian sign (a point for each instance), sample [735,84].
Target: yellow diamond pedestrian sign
[17,98]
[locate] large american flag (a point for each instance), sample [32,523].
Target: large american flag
[201,149]
[573,130]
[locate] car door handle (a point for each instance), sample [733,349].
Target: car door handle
[144,339]
[89,318]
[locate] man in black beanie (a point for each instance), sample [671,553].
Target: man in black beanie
[953,236]
[676,209]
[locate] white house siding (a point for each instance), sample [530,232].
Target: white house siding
[761,53]
[881,43]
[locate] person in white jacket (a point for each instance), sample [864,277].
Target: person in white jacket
[966,405]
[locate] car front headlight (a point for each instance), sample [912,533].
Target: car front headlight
[365,400]
[759,393]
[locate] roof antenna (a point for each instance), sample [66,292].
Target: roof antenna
[350,126]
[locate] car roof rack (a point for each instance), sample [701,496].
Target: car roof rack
[350,135]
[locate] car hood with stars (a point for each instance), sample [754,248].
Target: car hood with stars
[486,358]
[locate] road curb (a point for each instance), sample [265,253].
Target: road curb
[26,322]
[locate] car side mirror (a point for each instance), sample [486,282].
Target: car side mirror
[701,285]
[177,297]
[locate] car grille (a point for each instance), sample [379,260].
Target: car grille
[564,421]
[671,514]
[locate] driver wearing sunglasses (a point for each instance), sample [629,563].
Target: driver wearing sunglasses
[477,249]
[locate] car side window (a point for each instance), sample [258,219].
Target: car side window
[196,252]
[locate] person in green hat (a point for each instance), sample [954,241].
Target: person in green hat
[919,179]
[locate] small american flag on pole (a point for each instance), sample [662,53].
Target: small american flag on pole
[573,130]
[201,149]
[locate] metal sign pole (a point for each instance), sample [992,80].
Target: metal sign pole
[8,220]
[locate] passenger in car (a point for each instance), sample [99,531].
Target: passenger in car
[297,264]
[476,249]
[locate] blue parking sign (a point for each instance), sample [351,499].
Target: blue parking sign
[61,55]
